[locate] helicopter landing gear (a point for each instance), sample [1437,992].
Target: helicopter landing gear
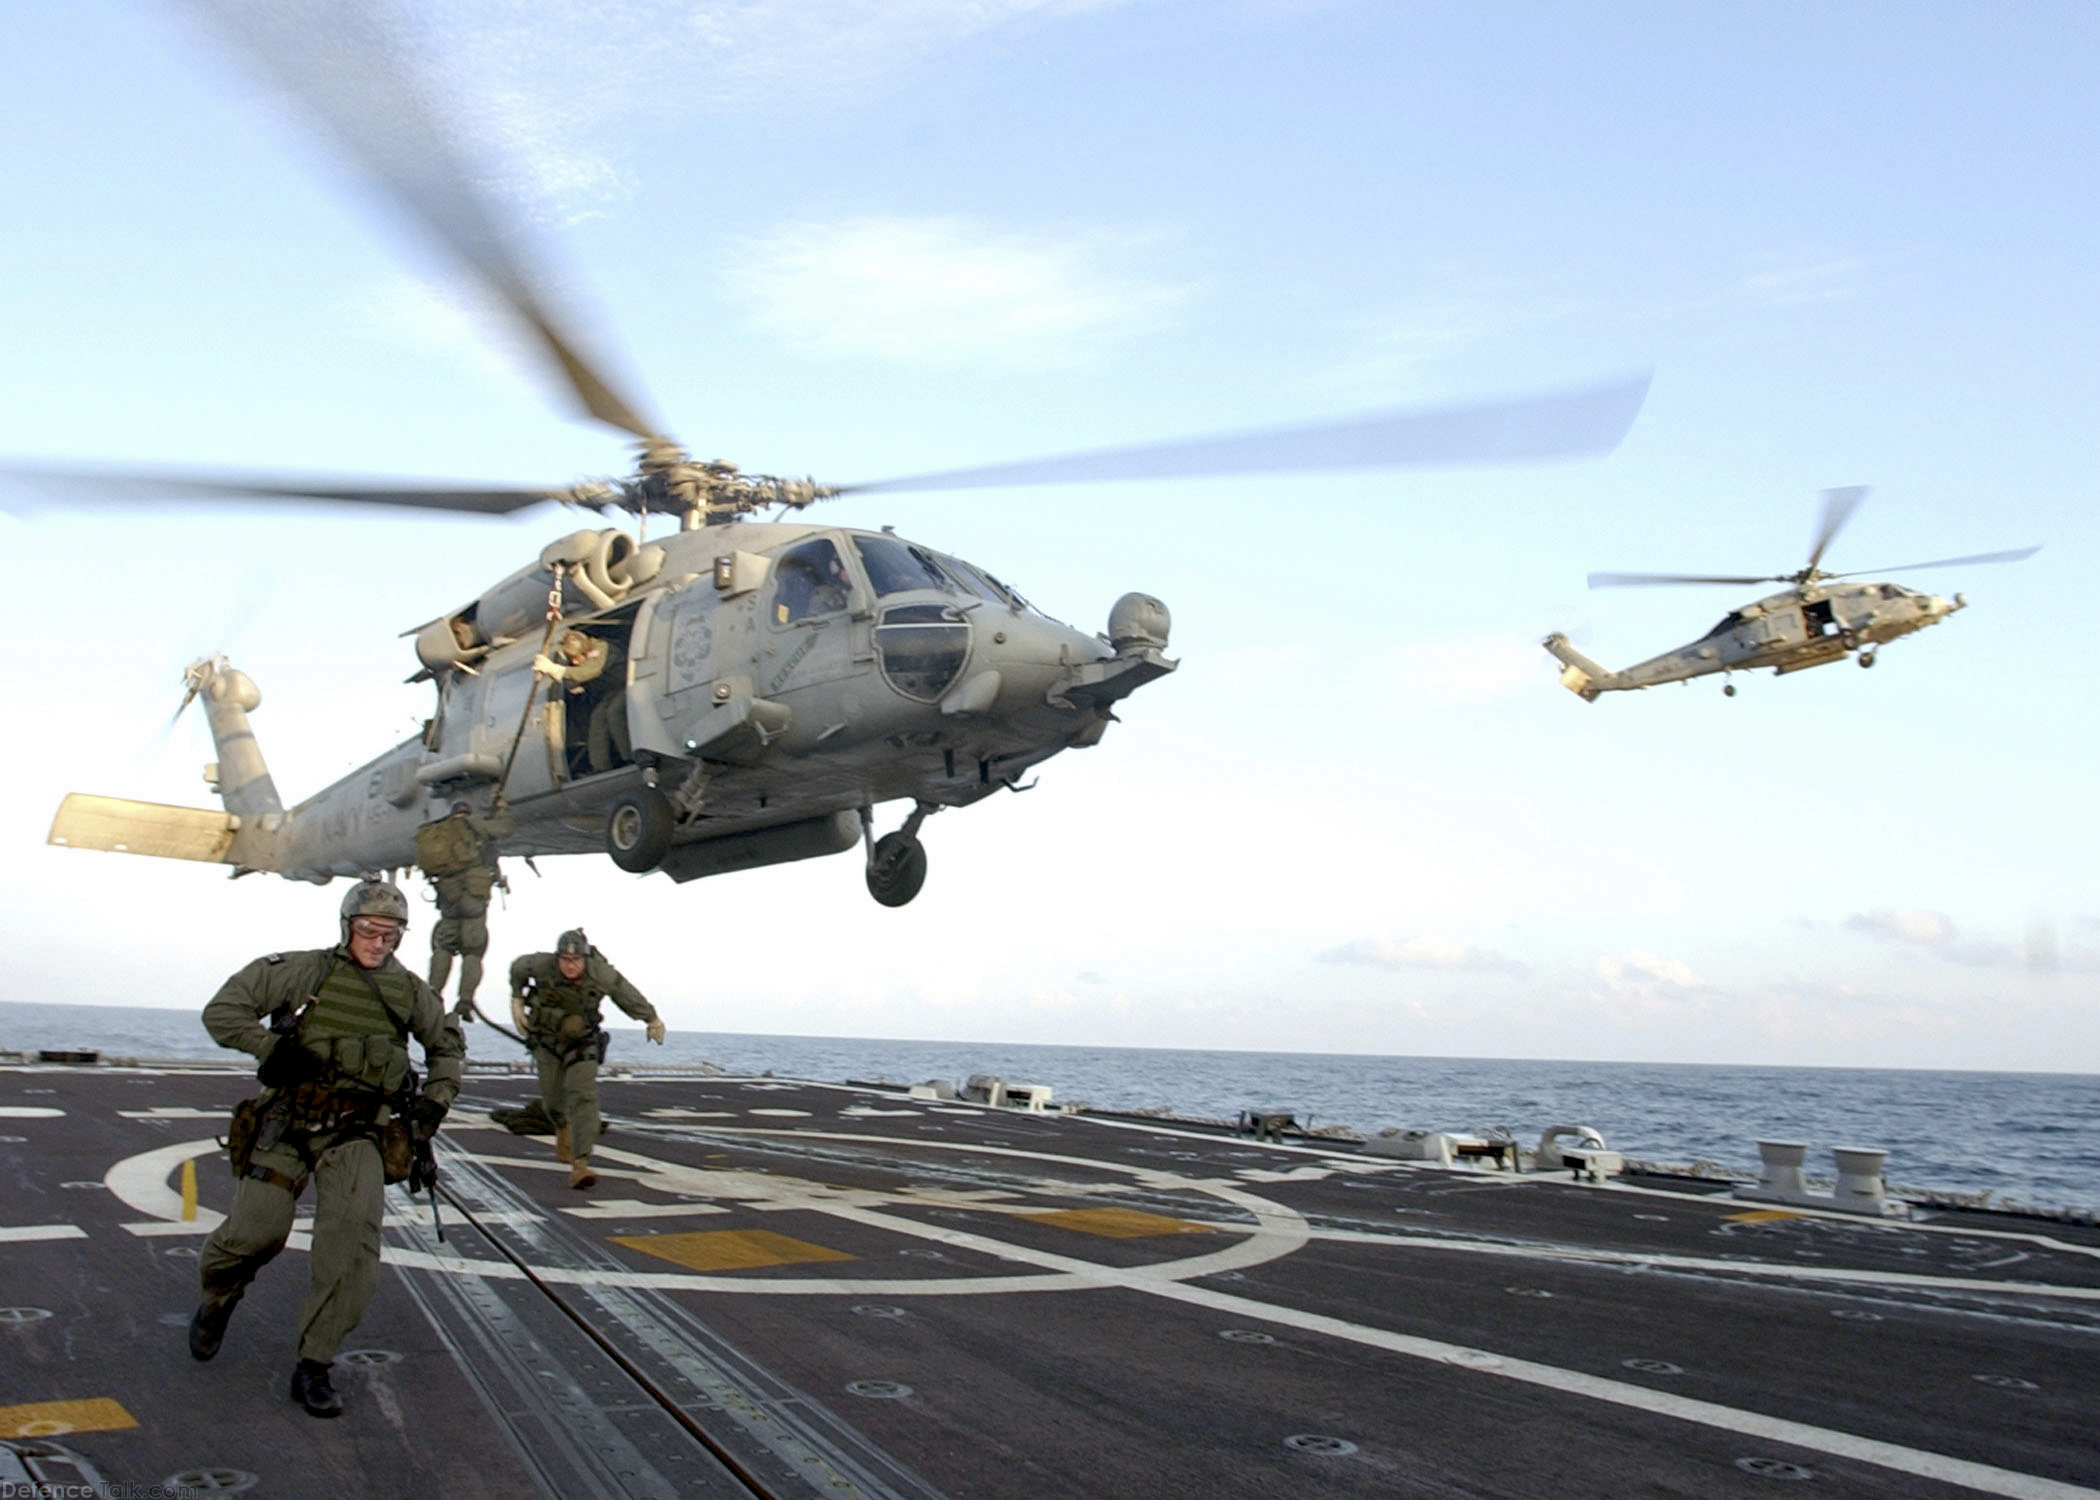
[897,861]
[1728,690]
[1866,658]
[638,828]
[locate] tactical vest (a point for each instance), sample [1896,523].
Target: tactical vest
[565,1012]
[358,1024]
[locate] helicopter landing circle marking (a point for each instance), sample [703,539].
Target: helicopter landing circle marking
[142,1183]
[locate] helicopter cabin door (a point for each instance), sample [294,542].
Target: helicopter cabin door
[680,630]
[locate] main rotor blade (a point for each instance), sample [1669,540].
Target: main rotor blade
[1591,420]
[1838,506]
[86,486]
[1646,580]
[1949,562]
[342,65]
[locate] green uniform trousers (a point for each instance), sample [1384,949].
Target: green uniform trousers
[462,928]
[349,1201]
[569,1093]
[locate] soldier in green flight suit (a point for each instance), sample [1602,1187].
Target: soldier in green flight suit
[335,1070]
[554,1000]
[458,853]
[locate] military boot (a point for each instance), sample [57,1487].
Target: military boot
[580,1173]
[311,1389]
[208,1326]
[561,1143]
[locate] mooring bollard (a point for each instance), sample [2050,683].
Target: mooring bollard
[1780,1167]
[1859,1183]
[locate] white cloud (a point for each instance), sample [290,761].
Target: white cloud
[1642,970]
[1422,953]
[561,87]
[1934,933]
[1794,284]
[1639,987]
[1401,348]
[946,290]
[456,321]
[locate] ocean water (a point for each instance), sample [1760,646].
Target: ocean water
[2030,1139]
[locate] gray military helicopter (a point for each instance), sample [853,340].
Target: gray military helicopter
[1821,619]
[740,692]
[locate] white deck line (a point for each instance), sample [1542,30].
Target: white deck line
[1639,1258]
[17,1232]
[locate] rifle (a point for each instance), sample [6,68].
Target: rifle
[422,1117]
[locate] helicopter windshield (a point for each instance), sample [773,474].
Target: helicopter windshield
[896,566]
[983,584]
[1727,623]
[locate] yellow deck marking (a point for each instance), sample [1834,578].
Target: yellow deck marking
[729,1249]
[1117,1223]
[1760,1216]
[189,1190]
[51,1418]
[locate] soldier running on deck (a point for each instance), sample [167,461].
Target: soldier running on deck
[337,1083]
[554,1000]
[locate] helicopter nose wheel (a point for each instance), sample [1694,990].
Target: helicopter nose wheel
[638,828]
[1728,690]
[1866,658]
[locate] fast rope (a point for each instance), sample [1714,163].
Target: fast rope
[546,640]
[634,1372]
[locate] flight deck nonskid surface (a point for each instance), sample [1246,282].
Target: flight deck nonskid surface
[805,1289]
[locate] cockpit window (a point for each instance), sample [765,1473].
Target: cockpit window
[809,580]
[1727,623]
[983,584]
[897,567]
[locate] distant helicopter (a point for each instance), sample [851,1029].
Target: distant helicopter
[761,687]
[1820,619]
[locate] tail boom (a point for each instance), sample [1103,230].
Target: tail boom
[1579,675]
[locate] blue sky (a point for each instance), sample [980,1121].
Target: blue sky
[1854,242]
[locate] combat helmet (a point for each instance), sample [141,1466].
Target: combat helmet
[374,898]
[573,941]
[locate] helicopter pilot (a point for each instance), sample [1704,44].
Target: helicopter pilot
[813,581]
[578,661]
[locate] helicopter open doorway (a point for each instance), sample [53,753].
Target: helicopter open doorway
[588,733]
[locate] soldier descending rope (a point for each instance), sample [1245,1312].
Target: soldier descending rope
[458,853]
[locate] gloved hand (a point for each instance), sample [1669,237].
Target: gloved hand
[287,1063]
[655,1032]
[517,1015]
[424,1116]
[547,666]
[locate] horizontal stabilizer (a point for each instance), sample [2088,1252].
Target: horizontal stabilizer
[119,826]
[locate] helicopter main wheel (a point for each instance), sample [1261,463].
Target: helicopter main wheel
[896,868]
[638,829]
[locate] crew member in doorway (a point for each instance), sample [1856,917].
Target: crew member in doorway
[579,662]
[458,853]
[555,1000]
[336,1083]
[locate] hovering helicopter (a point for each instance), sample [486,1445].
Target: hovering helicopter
[1820,619]
[760,687]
